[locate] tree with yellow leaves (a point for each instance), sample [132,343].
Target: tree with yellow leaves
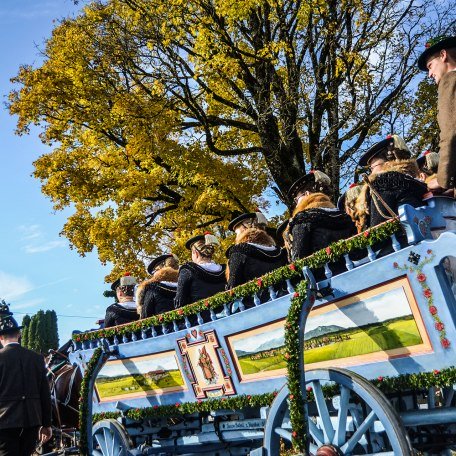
[169,116]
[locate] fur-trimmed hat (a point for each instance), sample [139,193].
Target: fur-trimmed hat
[433,46]
[388,147]
[258,217]
[156,262]
[7,322]
[314,182]
[207,238]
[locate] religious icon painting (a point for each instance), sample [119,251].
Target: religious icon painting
[201,353]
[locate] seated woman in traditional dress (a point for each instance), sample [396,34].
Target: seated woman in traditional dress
[123,311]
[202,277]
[156,295]
[254,252]
[316,222]
[394,184]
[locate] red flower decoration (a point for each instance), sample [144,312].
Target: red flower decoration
[259,282]
[286,356]
[429,251]
[292,267]
[231,292]
[180,312]
[177,404]
[291,396]
[427,293]
[427,45]
[366,234]
[389,136]
[199,401]
[395,265]
[353,185]
[295,294]
[309,389]
[206,303]
[127,274]
[155,407]
[421,277]
[207,232]
[274,393]
[249,397]
[439,326]
[294,434]
[380,378]
[445,342]
[436,372]
[160,318]
[433,310]
[328,250]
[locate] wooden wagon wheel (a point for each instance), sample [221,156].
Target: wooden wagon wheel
[360,420]
[110,439]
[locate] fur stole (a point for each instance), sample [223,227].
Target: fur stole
[255,236]
[408,167]
[166,274]
[313,201]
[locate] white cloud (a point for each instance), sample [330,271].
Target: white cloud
[30,232]
[12,287]
[50,245]
[26,304]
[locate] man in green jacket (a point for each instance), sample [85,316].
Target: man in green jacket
[439,60]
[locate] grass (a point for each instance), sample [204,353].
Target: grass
[384,336]
[137,383]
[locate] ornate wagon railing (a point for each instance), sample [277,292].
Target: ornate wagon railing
[378,357]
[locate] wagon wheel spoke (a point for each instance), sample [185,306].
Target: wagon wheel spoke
[316,433]
[341,428]
[362,429]
[101,440]
[328,430]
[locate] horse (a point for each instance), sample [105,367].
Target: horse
[65,385]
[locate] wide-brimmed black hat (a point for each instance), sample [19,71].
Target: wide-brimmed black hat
[393,147]
[315,181]
[157,261]
[258,216]
[7,322]
[433,46]
[428,162]
[126,280]
[279,233]
[376,149]
[207,238]
[239,219]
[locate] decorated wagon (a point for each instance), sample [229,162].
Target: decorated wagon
[359,363]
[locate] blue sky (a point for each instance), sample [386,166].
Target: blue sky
[37,268]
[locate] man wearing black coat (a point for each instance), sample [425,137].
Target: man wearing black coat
[25,398]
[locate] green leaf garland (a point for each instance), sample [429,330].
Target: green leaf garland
[316,260]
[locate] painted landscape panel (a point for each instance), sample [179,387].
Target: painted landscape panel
[382,322]
[139,376]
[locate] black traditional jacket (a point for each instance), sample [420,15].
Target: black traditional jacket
[25,399]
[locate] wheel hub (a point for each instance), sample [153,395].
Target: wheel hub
[328,450]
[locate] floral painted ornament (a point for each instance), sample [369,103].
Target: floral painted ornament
[427,292]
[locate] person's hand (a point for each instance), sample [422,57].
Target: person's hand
[44,434]
[434,186]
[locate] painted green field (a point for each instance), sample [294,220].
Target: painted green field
[137,383]
[397,333]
